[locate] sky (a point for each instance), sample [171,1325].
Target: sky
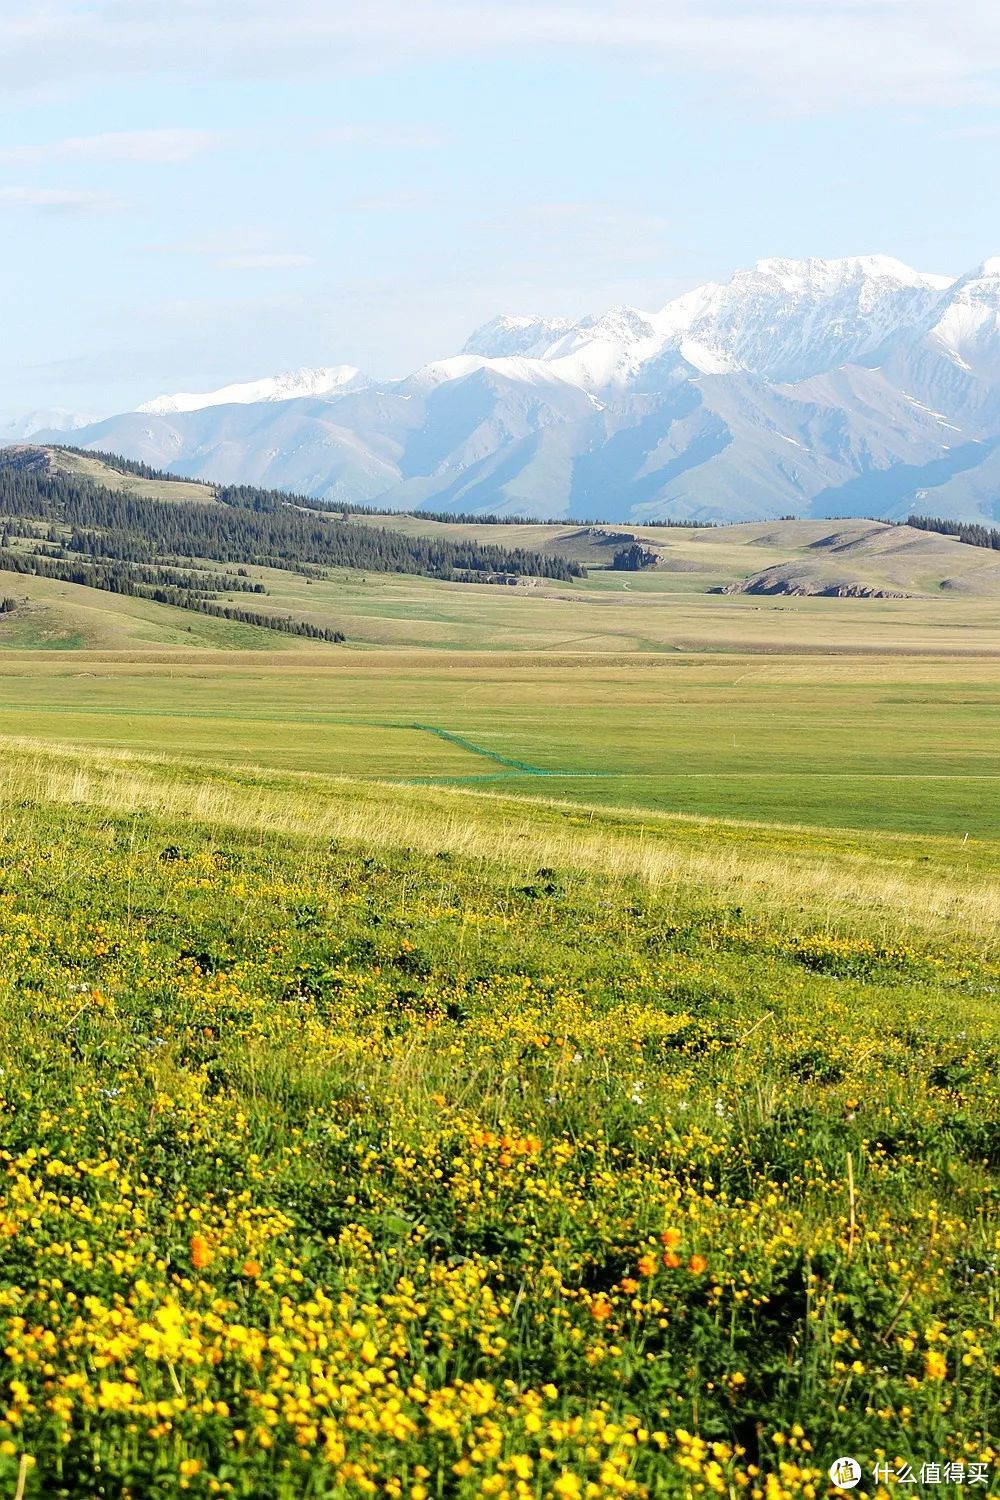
[196,192]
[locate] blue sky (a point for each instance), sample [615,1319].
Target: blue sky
[194,192]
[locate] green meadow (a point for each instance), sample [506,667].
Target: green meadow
[899,742]
[649,691]
[541,1048]
[426,1141]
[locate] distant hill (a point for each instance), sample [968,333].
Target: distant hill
[849,558]
[118,528]
[111,471]
[814,388]
[121,509]
[102,552]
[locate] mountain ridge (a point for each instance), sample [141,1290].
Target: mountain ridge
[795,387]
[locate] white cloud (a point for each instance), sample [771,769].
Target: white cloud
[170,146]
[146,146]
[403,202]
[382,137]
[60,200]
[266,262]
[243,249]
[785,53]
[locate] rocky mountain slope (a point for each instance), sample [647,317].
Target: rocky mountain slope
[808,388]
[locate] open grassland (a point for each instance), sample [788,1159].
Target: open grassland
[900,743]
[659,612]
[365,1139]
[654,614]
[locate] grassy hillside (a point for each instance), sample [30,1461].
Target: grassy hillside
[56,616]
[368,1140]
[87,466]
[71,518]
[816,554]
[950,590]
[657,614]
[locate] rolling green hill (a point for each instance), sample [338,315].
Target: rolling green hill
[932,586]
[88,466]
[74,519]
[810,555]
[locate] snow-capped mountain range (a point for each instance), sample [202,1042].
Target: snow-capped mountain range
[328,381]
[52,419]
[816,387]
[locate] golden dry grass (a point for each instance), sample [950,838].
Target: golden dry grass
[879,883]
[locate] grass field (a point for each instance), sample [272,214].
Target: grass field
[897,742]
[950,604]
[661,614]
[365,1139]
[543,1048]
[641,691]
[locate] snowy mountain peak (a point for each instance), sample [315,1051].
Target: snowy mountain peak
[987,270]
[782,319]
[965,325]
[53,419]
[511,335]
[789,319]
[847,386]
[328,381]
[826,276]
[623,325]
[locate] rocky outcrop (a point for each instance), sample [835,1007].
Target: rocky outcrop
[797,581]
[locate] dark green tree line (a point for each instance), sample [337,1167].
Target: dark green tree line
[972,532]
[137,529]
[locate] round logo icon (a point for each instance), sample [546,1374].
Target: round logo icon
[845,1473]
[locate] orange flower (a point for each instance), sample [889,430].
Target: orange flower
[251,1268]
[629,1285]
[647,1265]
[672,1259]
[600,1309]
[201,1252]
[671,1238]
[697,1264]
